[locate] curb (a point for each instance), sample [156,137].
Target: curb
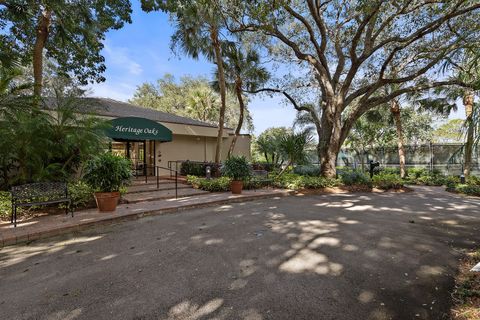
[43,234]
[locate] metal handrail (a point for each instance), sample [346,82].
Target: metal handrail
[157,174]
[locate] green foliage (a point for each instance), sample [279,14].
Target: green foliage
[267,145]
[5,204]
[107,172]
[40,146]
[265,166]
[195,168]
[307,170]
[213,185]
[76,31]
[191,97]
[355,178]
[294,146]
[296,182]
[387,181]
[422,176]
[236,168]
[81,194]
[451,131]
[469,189]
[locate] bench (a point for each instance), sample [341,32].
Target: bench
[39,194]
[261,177]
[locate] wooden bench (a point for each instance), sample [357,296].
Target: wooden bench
[39,194]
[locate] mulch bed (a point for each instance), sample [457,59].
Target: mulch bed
[466,296]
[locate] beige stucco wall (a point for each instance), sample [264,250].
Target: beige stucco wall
[195,148]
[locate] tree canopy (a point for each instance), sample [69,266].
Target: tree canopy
[69,32]
[348,52]
[190,97]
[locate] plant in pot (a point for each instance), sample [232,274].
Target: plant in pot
[238,169]
[107,174]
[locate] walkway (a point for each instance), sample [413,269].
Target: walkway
[153,203]
[362,256]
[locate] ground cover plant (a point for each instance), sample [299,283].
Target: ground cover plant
[386,181]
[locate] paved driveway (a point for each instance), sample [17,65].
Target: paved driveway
[312,257]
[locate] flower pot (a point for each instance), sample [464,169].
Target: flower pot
[236,187]
[107,201]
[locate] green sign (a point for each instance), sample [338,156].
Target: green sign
[133,128]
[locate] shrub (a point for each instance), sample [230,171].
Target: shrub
[473,180]
[451,182]
[390,171]
[296,182]
[81,194]
[355,178]
[307,170]
[199,168]
[236,168]
[469,189]
[108,172]
[431,180]
[387,181]
[270,167]
[5,204]
[212,185]
[415,173]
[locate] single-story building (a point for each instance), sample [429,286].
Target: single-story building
[153,138]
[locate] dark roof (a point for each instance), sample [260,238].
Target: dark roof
[113,108]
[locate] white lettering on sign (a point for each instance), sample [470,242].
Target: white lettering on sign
[136,131]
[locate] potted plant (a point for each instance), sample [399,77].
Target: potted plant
[107,174]
[238,169]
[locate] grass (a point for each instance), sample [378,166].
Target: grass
[466,295]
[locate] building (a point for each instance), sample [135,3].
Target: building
[153,138]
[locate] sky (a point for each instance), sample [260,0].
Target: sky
[140,52]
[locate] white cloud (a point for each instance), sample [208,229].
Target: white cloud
[121,92]
[120,57]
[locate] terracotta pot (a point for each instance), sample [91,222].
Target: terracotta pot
[236,187]
[107,201]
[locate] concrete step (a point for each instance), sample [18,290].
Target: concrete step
[153,187]
[162,194]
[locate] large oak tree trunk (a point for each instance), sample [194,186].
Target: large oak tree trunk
[238,91]
[40,40]
[395,109]
[329,143]
[468,103]
[221,82]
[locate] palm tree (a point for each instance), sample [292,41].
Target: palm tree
[243,73]
[294,147]
[198,29]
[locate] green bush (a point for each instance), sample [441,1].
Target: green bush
[295,182]
[390,171]
[387,181]
[212,185]
[5,204]
[108,172]
[270,167]
[199,169]
[415,173]
[236,168]
[473,180]
[451,182]
[307,170]
[81,194]
[469,189]
[355,178]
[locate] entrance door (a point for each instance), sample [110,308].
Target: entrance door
[141,153]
